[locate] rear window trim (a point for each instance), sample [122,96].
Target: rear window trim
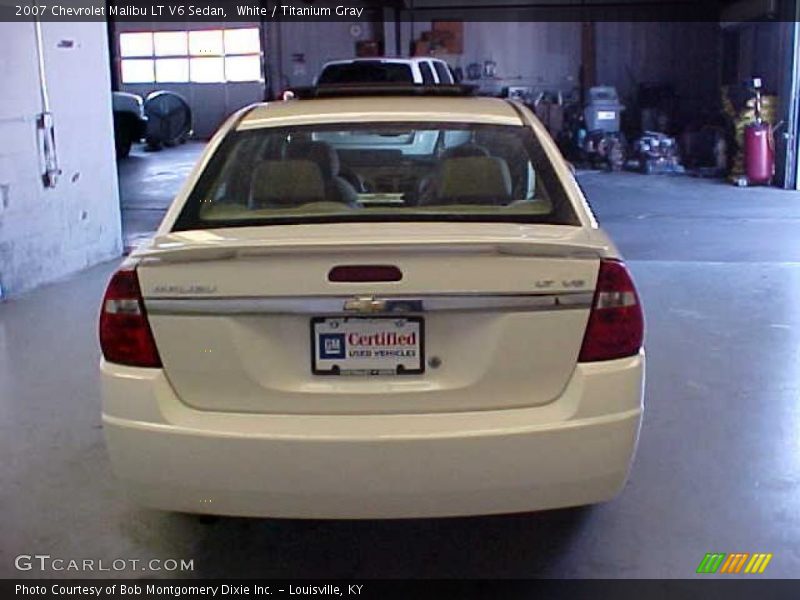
[188,219]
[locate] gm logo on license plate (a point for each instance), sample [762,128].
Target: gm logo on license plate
[331,345]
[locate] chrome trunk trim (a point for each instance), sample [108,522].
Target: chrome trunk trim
[345,305]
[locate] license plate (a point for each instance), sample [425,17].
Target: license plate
[367,346]
[606,115]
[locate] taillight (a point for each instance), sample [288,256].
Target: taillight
[616,323]
[125,335]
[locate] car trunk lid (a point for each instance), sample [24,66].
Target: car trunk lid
[498,310]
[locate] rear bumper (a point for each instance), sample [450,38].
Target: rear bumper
[575,450]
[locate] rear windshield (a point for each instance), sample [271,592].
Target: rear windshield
[367,72]
[377,172]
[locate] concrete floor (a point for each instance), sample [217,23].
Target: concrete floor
[718,466]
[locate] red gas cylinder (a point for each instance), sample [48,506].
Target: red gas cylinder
[759,154]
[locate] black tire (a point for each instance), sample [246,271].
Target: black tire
[153,144]
[122,136]
[122,144]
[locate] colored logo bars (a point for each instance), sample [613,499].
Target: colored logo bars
[734,563]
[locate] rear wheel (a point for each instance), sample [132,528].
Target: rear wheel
[122,136]
[122,145]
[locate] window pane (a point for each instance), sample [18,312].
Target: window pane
[171,43]
[172,70]
[135,44]
[442,72]
[137,71]
[207,70]
[242,41]
[205,43]
[427,74]
[243,68]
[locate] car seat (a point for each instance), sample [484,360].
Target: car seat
[286,184]
[427,185]
[337,188]
[472,180]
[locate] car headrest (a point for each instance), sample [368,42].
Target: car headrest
[464,151]
[321,153]
[474,179]
[286,183]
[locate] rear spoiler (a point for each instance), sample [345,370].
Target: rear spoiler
[169,251]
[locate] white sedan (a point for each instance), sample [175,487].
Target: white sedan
[374,307]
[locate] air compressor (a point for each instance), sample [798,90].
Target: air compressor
[759,146]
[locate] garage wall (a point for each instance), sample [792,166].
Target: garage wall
[547,55]
[764,52]
[298,49]
[686,55]
[211,103]
[46,233]
[544,55]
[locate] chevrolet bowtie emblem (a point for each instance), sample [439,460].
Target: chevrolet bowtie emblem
[364,304]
